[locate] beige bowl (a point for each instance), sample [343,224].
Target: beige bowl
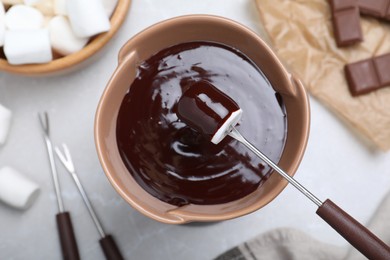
[198,28]
[68,62]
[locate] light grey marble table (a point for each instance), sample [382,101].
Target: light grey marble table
[336,164]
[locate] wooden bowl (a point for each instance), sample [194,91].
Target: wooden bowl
[65,63]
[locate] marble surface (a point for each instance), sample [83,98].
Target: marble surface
[337,164]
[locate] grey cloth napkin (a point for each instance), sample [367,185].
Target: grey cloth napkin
[292,244]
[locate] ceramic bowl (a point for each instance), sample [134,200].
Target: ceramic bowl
[187,29]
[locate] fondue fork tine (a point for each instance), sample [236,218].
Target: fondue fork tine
[107,242]
[69,247]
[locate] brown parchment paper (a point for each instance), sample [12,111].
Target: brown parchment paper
[302,35]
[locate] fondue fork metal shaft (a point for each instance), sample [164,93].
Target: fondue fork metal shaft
[354,232]
[236,135]
[64,224]
[107,242]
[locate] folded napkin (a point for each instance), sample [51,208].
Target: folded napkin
[292,244]
[302,35]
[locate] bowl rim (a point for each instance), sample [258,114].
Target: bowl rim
[97,43]
[299,90]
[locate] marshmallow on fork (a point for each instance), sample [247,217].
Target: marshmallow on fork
[209,111]
[23,17]
[5,123]
[87,17]
[62,38]
[27,46]
[16,190]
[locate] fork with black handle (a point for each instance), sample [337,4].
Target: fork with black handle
[107,242]
[68,242]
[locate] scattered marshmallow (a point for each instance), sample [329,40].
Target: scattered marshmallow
[5,123]
[109,6]
[46,7]
[16,190]
[2,24]
[87,17]
[27,46]
[60,7]
[23,17]
[62,38]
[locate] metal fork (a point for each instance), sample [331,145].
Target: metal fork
[64,224]
[107,242]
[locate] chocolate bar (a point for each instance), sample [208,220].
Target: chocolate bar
[375,8]
[346,22]
[368,75]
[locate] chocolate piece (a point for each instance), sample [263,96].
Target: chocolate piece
[368,75]
[375,8]
[208,110]
[177,164]
[338,5]
[346,22]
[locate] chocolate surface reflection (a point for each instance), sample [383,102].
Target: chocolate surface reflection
[175,163]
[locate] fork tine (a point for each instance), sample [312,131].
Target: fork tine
[65,157]
[67,153]
[44,120]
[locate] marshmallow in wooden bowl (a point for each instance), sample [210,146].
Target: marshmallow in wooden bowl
[87,17]
[5,123]
[63,39]
[27,46]
[23,17]
[16,190]
[2,24]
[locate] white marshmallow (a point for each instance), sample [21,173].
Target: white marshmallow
[60,7]
[2,24]
[2,33]
[62,38]
[226,127]
[23,17]
[87,17]
[5,123]
[46,7]
[2,11]
[27,46]
[16,190]
[109,6]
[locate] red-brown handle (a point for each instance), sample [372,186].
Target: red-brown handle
[110,249]
[69,247]
[354,232]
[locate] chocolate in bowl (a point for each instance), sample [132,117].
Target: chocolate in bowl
[177,164]
[194,28]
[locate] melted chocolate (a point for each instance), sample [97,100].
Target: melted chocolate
[205,108]
[177,164]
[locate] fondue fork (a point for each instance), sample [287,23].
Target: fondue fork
[203,101]
[107,242]
[64,224]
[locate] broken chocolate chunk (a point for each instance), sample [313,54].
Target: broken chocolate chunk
[368,75]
